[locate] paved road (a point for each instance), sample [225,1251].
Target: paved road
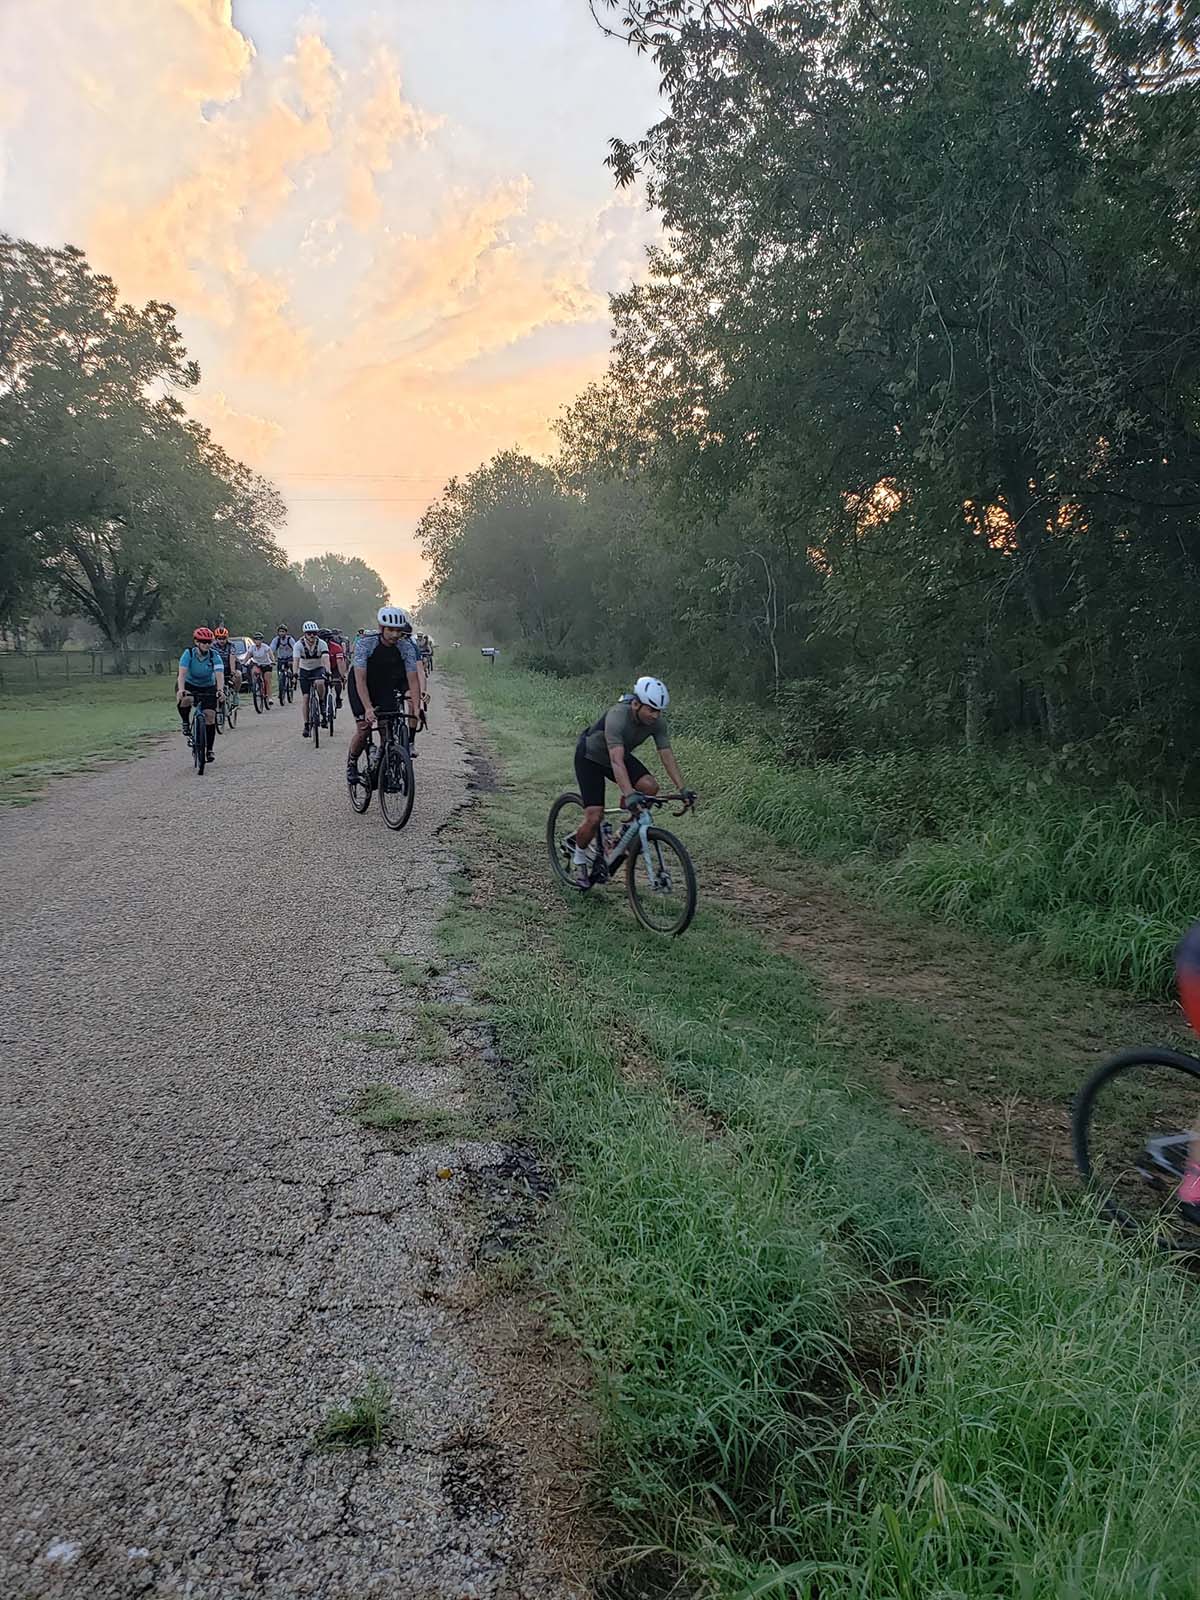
[199,1255]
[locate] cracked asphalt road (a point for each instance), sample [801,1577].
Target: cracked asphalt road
[200,1255]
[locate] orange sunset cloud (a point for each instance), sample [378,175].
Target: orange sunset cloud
[375,301]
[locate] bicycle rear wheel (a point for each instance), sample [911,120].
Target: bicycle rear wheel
[1133,1127]
[566,815]
[396,788]
[661,882]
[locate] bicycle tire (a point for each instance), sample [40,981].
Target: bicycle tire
[314,718]
[396,779]
[1083,1110]
[360,792]
[558,861]
[256,694]
[330,709]
[661,836]
[199,742]
[231,712]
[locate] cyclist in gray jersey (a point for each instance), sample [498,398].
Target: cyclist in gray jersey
[604,753]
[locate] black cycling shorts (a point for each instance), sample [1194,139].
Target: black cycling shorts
[593,775]
[388,701]
[203,695]
[308,678]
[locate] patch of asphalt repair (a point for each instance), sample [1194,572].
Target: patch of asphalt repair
[204,1255]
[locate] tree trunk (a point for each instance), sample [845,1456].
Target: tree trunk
[1029,537]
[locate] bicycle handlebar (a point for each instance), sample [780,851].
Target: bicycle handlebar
[686,800]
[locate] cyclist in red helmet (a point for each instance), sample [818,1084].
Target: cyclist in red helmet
[201,682]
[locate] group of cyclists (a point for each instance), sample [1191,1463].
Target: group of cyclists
[381,672]
[389,674]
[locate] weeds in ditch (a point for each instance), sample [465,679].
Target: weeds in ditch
[388,1109]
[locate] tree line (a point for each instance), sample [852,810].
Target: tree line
[116,507]
[900,432]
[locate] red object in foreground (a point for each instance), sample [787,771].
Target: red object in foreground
[1187,974]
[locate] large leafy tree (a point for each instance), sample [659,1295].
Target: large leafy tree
[953,249]
[348,591]
[500,541]
[111,499]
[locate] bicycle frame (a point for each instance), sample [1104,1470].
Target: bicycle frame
[637,825]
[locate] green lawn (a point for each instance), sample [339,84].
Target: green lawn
[59,730]
[831,1359]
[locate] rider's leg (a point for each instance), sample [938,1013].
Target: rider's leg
[210,729]
[593,816]
[266,672]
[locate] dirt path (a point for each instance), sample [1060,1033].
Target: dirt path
[202,1255]
[982,1046]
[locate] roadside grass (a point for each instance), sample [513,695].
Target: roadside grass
[1100,886]
[60,730]
[831,1362]
[365,1422]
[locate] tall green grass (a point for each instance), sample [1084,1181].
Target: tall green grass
[828,1362]
[1100,886]
[60,729]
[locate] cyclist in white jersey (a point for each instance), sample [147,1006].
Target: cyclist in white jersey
[260,655]
[311,660]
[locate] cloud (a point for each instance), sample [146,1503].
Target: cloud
[384,120]
[256,191]
[244,435]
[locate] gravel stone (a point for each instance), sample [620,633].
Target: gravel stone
[202,1256]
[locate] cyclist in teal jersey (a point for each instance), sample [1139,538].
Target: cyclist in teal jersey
[201,682]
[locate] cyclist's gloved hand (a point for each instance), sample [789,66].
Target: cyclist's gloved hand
[632,802]
[690,796]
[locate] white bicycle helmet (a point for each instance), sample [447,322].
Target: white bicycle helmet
[652,692]
[310,627]
[393,617]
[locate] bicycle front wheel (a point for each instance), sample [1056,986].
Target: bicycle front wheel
[314,718]
[199,743]
[1134,1126]
[258,697]
[566,816]
[231,709]
[360,791]
[661,882]
[396,788]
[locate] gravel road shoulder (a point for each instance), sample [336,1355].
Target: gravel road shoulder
[203,1254]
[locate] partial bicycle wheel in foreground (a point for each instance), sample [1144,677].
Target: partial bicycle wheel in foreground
[1134,1126]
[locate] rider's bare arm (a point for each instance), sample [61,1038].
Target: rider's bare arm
[616,760]
[414,694]
[360,679]
[667,757]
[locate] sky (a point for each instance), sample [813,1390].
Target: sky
[387,228]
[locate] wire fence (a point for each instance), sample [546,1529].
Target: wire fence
[36,669]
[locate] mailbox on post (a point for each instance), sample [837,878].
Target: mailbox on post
[490,652]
